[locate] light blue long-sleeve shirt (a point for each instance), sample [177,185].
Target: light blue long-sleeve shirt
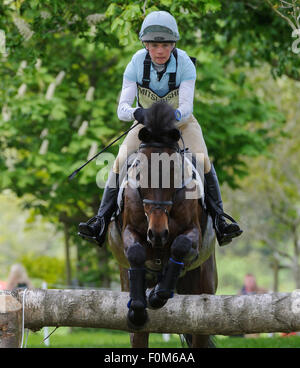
[185,71]
[185,79]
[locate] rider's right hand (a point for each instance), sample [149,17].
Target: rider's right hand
[139,115]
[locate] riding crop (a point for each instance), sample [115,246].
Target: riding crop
[105,148]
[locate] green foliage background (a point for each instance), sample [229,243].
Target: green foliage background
[64,71]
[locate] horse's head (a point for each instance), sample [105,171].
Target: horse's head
[159,139]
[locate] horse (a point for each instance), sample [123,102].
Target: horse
[163,241]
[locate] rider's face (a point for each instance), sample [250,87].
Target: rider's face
[160,52]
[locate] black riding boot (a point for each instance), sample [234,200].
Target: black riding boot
[95,229]
[225,232]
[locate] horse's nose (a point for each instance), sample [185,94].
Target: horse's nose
[158,239]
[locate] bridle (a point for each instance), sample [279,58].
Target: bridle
[158,205]
[161,205]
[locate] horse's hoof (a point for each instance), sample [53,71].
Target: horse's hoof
[154,301]
[137,316]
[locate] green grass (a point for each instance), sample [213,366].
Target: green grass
[95,338]
[261,342]
[100,338]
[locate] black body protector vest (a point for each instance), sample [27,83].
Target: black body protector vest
[146,96]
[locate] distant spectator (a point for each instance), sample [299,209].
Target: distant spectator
[250,286]
[18,278]
[2,285]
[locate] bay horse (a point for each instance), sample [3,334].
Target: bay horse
[162,241]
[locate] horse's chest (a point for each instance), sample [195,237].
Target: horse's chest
[153,272]
[154,265]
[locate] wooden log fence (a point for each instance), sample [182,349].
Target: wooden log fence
[196,314]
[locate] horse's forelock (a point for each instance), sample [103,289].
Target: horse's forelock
[160,119]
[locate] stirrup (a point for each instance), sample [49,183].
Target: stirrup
[225,238]
[94,238]
[91,239]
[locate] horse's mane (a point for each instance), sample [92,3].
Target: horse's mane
[160,124]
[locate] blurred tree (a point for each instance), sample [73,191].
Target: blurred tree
[21,233]
[44,268]
[254,32]
[269,199]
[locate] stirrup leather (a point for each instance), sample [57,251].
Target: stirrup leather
[223,238]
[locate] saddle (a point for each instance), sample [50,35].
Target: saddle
[133,162]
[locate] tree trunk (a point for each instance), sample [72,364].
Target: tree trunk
[198,314]
[78,262]
[297,275]
[103,259]
[67,254]
[296,265]
[275,267]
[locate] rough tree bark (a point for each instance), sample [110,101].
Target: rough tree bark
[201,314]
[10,321]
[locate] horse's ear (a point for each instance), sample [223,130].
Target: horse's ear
[174,134]
[145,135]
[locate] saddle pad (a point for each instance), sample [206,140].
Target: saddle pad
[123,177]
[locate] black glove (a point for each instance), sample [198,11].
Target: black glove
[139,115]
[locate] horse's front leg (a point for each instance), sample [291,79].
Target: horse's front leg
[136,255]
[184,247]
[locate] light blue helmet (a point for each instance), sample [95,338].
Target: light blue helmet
[159,26]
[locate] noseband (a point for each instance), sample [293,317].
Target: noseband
[158,205]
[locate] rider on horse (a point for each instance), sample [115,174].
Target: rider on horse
[160,71]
